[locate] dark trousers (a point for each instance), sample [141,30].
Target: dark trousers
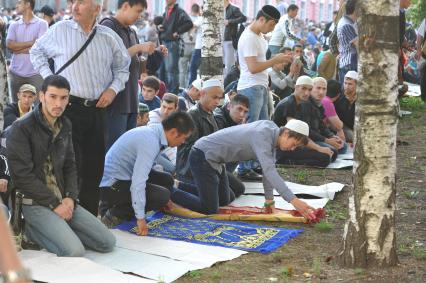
[423,81]
[213,187]
[303,156]
[118,124]
[117,199]
[89,136]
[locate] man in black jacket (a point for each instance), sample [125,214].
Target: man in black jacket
[233,17]
[26,97]
[175,22]
[42,167]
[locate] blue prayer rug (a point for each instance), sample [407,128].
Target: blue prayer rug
[236,235]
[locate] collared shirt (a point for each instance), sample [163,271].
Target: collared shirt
[346,33]
[20,31]
[256,140]
[104,64]
[131,157]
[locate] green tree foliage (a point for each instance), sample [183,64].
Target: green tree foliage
[417,12]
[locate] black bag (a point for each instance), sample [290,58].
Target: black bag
[235,38]
[73,58]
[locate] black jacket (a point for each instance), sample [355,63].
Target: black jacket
[11,113]
[28,146]
[222,117]
[234,17]
[205,125]
[179,22]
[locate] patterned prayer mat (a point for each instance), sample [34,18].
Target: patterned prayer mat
[236,235]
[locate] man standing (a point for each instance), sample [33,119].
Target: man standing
[130,186]
[233,17]
[42,167]
[176,22]
[284,30]
[421,57]
[347,34]
[48,14]
[95,77]
[253,81]
[20,37]
[123,110]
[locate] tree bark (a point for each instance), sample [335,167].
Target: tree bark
[4,97]
[369,234]
[211,51]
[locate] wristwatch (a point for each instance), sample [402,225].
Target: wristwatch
[15,275]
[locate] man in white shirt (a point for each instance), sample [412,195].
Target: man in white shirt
[283,31]
[253,81]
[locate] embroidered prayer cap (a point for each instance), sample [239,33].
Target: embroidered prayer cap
[352,75]
[198,84]
[271,12]
[212,83]
[143,108]
[28,88]
[304,80]
[298,127]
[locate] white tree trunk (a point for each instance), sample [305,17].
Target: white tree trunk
[4,97]
[211,51]
[369,234]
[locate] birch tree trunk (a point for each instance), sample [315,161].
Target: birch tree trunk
[211,51]
[369,234]
[4,93]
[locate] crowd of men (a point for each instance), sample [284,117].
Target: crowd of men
[98,134]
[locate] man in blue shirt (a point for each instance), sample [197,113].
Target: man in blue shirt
[130,186]
[150,89]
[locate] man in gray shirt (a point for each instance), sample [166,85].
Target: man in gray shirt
[257,140]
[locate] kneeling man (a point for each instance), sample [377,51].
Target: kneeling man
[257,140]
[130,186]
[42,167]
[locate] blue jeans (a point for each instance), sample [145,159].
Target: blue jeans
[195,64]
[171,64]
[165,162]
[118,124]
[274,49]
[258,98]
[212,186]
[335,151]
[66,238]
[353,66]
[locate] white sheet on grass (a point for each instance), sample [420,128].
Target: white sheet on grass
[323,191]
[258,201]
[340,164]
[47,267]
[413,89]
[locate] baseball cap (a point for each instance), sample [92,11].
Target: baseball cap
[198,84]
[352,75]
[298,127]
[304,80]
[28,88]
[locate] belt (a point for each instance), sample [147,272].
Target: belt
[83,101]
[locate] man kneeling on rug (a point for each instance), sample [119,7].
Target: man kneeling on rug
[258,140]
[130,186]
[42,167]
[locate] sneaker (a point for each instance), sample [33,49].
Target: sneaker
[250,176]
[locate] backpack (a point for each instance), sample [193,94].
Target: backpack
[237,36]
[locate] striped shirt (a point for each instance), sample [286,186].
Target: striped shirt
[103,64]
[346,33]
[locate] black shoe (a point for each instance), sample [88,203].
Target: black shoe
[250,176]
[110,221]
[258,170]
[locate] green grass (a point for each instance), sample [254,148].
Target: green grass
[410,195]
[195,274]
[302,176]
[324,226]
[316,266]
[412,104]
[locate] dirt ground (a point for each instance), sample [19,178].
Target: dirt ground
[310,257]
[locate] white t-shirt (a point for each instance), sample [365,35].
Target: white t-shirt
[198,22]
[250,45]
[422,28]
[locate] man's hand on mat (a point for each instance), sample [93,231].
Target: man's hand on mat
[306,210]
[63,211]
[142,227]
